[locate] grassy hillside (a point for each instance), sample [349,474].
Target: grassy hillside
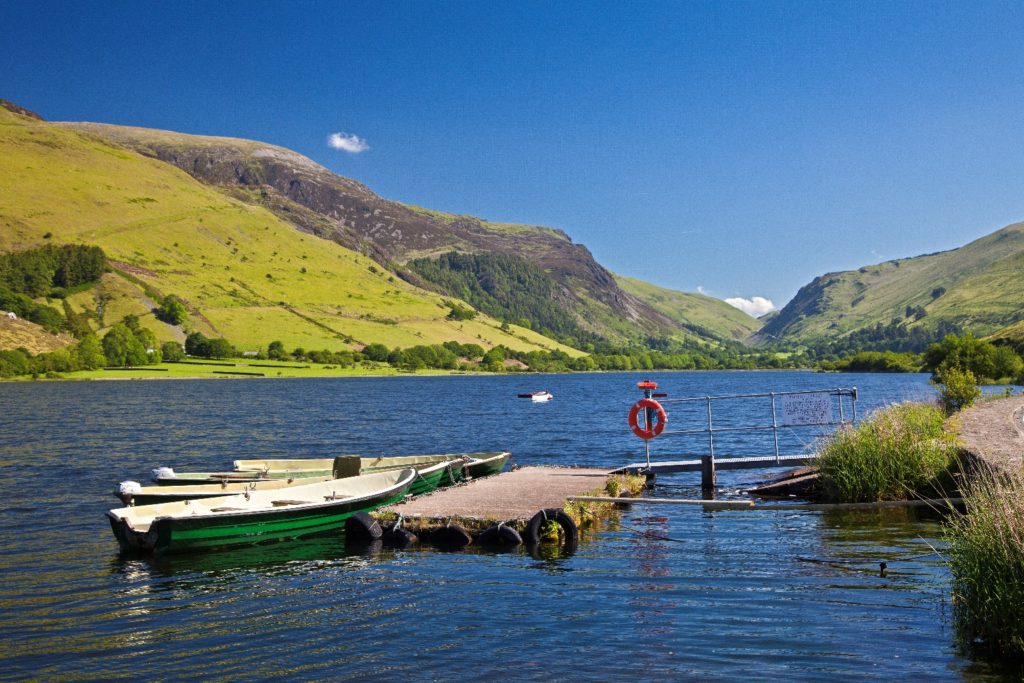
[1012,335]
[317,201]
[704,315]
[244,272]
[977,287]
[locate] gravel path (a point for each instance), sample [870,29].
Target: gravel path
[507,496]
[994,431]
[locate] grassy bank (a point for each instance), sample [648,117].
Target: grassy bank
[231,369]
[901,452]
[986,557]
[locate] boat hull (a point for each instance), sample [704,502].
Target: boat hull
[485,467]
[436,476]
[181,533]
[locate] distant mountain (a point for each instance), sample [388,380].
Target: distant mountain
[703,315]
[317,201]
[978,287]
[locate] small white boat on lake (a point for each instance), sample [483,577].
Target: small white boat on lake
[538,396]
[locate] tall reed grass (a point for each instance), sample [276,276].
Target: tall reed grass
[897,453]
[986,558]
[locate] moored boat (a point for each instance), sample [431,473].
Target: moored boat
[438,475]
[296,468]
[538,396]
[485,464]
[133,493]
[257,516]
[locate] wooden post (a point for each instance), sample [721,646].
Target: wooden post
[707,472]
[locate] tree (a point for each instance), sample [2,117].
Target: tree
[276,351]
[196,344]
[966,353]
[88,354]
[172,351]
[220,348]
[494,360]
[376,352]
[122,348]
[171,310]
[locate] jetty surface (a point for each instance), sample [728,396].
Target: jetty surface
[508,496]
[993,431]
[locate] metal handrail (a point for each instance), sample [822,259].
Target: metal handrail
[710,429]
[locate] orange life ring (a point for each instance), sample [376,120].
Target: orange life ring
[659,426]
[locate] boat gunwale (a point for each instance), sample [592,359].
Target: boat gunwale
[403,482]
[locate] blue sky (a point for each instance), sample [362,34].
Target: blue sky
[738,147]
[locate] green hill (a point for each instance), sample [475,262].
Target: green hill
[244,273]
[703,315]
[977,288]
[319,202]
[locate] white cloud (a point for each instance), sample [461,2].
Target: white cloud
[353,144]
[755,306]
[700,288]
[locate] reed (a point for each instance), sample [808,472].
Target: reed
[986,559]
[899,452]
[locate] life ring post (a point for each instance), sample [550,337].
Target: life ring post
[651,408]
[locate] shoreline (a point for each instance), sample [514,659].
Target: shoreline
[162,372]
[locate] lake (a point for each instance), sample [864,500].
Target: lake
[715,596]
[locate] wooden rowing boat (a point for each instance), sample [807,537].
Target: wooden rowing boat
[132,493]
[256,516]
[485,464]
[296,468]
[226,483]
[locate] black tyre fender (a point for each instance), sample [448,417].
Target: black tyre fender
[500,535]
[399,538]
[362,526]
[452,537]
[532,533]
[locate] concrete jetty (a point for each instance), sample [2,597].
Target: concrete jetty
[507,497]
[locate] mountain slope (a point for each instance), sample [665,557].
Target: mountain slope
[320,202]
[977,287]
[246,274]
[704,315]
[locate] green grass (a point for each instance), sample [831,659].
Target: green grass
[253,277]
[898,453]
[986,557]
[195,369]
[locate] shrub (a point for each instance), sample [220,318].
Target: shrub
[986,559]
[171,310]
[958,389]
[896,453]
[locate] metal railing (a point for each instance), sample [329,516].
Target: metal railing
[788,409]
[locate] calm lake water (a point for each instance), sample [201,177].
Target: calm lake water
[729,595]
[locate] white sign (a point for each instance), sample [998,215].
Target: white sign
[807,409]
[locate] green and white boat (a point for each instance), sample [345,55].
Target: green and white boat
[297,468]
[133,493]
[256,517]
[485,464]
